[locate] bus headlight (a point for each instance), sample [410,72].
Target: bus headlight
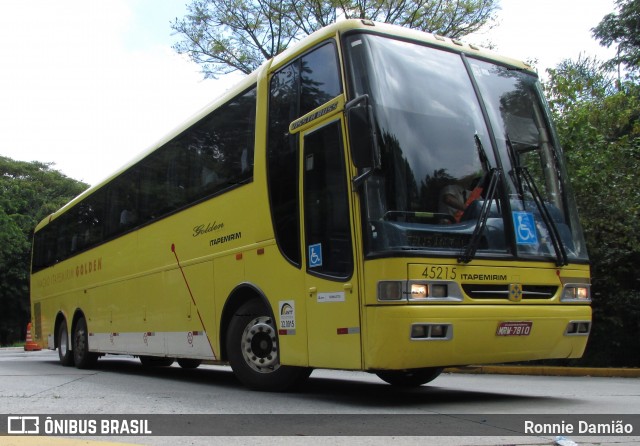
[419,291]
[426,290]
[576,293]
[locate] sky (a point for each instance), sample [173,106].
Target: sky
[89,85]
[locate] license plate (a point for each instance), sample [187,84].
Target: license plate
[514,328]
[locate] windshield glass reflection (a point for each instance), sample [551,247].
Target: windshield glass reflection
[438,157]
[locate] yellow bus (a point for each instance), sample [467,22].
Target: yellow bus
[374,198]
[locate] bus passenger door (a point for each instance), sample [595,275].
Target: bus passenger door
[333,315]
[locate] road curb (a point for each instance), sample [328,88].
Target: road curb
[547,371]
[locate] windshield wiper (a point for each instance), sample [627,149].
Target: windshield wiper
[556,240]
[515,163]
[482,154]
[493,179]
[521,175]
[472,246]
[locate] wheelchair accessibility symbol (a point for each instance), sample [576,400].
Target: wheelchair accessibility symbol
[315,255]
[525,226]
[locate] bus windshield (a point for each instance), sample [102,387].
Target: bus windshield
[470,166]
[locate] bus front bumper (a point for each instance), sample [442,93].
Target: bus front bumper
[415,336]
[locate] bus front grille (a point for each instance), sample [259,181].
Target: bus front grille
[502,291]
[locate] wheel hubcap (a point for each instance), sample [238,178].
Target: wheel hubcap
[260,345]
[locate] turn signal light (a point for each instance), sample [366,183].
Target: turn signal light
[390,290]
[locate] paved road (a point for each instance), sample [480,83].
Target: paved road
[35,383]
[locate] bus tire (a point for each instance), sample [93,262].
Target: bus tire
[83,358]
[254,353]
[64,351]
[156,361]
[409,378]
[187,363]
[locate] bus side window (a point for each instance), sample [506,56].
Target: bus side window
[282,153]
[296,89]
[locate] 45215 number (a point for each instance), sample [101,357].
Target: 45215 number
[440,272]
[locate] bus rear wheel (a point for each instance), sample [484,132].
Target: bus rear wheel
[64,351]
[409,378]
[83,358]
[254,352]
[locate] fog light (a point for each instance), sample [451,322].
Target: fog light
[578,328]
[434,332]
[583,327]
[419,331]
[438,331]
[390,290]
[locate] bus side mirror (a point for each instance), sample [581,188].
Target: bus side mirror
[365,151]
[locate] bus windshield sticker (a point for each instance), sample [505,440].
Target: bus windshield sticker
[525,228]
[315,255]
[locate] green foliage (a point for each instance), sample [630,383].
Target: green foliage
[599,127]
[622,29]
[28,193]
[230,35]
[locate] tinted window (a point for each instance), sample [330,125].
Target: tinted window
[303,85]
[212,156]
[320,78]
[326,202]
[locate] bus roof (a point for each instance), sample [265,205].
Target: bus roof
[333,30]
[345,26]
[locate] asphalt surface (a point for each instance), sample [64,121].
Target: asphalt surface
[383,441]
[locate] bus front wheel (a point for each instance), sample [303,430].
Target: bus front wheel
[409,378]
[254,352]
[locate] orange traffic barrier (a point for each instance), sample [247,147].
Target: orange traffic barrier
[30,346]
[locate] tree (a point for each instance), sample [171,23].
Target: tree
[28,193]
[599,127]
[231,35]
[623,29]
